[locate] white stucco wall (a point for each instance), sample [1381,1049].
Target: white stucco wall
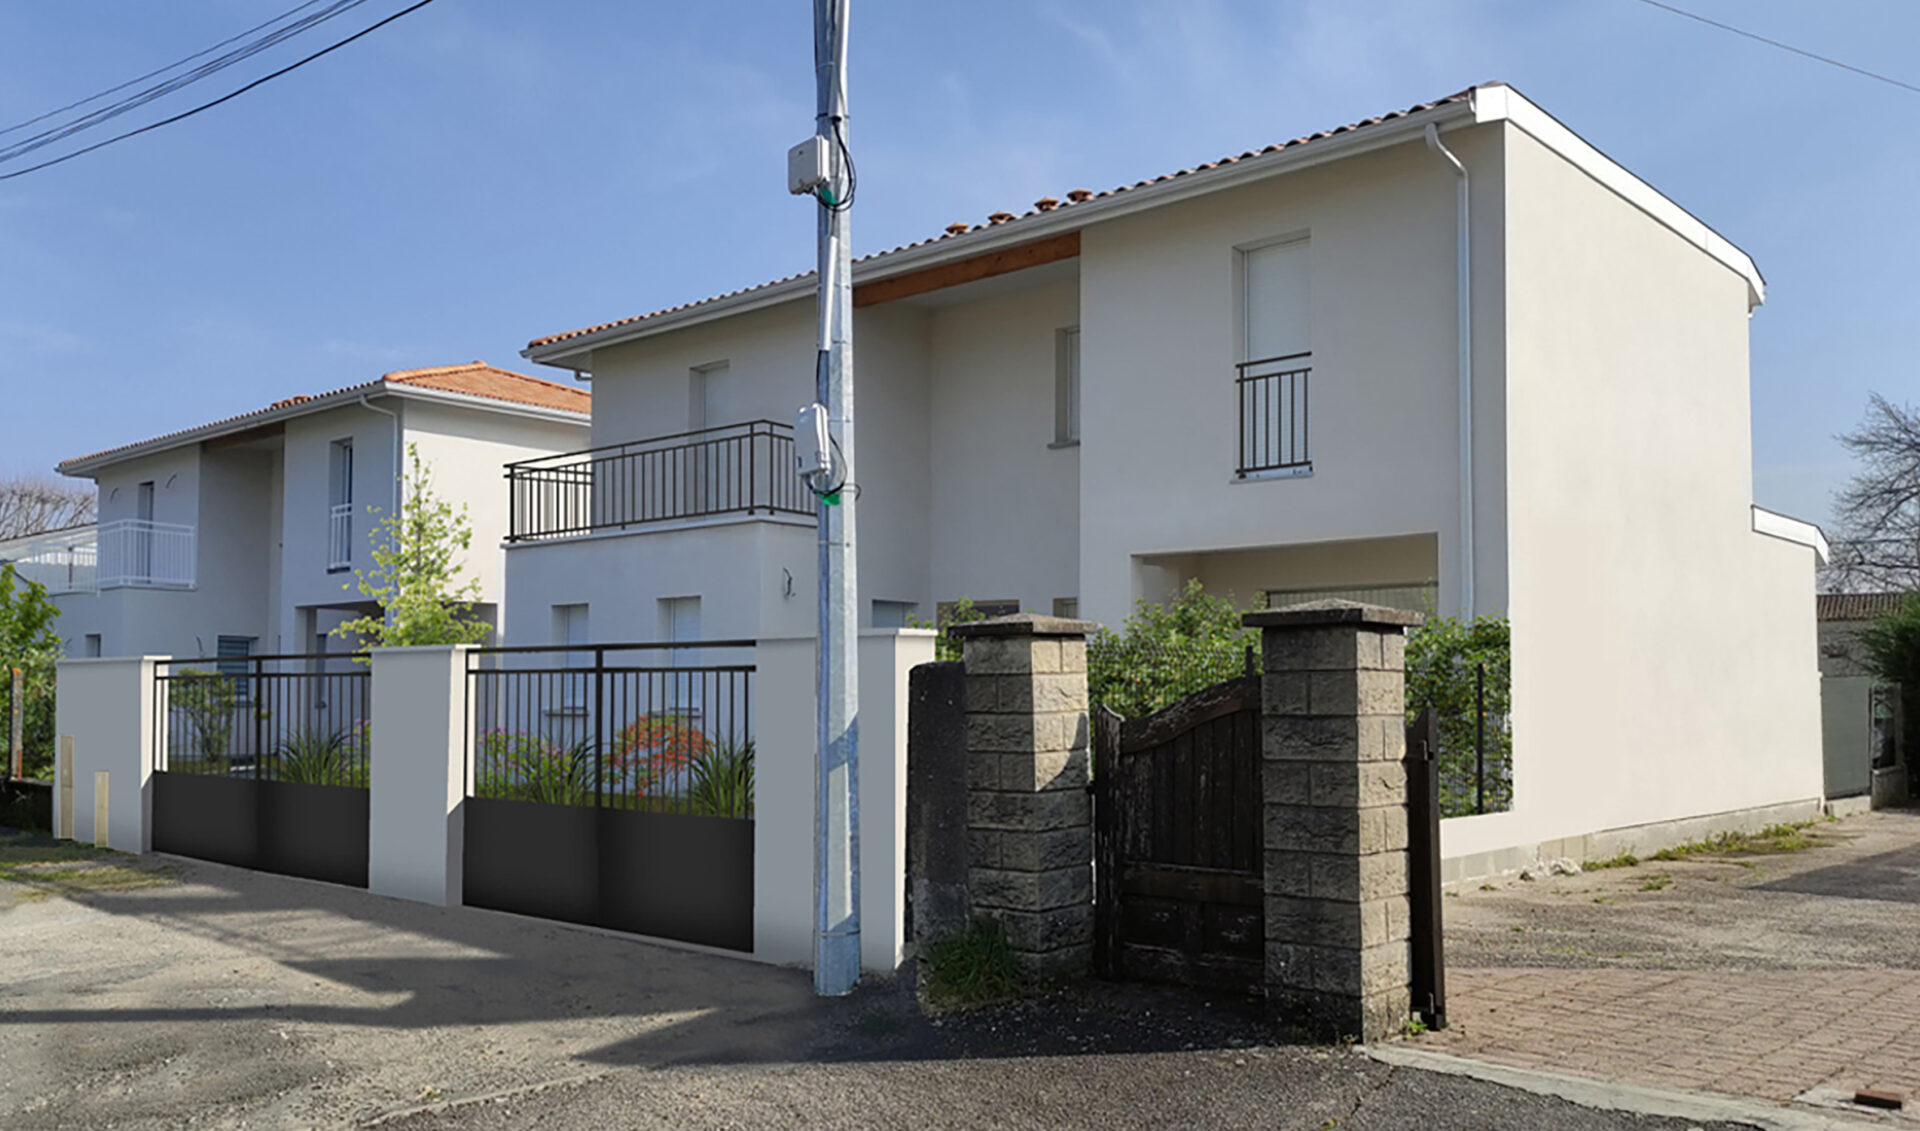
[1664,654]
[1161,333]
[469,450]
[306,454]
[739,569]
[1005,505]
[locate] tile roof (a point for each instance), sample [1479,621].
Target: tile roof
[1855,606]
[478,379]
[473,379]
[1044,205]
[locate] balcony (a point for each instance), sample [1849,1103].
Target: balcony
[130,553]
[1274,417]
[742,469]
[340,536]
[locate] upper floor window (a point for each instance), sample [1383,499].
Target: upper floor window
[1066,388]
[1276,361]
[340,505]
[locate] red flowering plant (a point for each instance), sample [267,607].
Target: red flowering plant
[654,750]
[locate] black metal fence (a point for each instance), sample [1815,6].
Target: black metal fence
[654,727]
[1274,414]
[739,469]
[294,718]
[1476,745]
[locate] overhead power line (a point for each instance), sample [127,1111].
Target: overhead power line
[1783,46]
[161,89]
[185,114]
[161,71]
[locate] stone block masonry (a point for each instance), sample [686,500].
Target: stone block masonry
[1333,729]
[1029,817]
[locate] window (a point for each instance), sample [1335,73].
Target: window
[1068,607]
[892,614]
[570,629]
[1276,361]
[680,624]
[233,652]
[707,389]
[90,646]
[1066,388]
[142,548]
[340,505]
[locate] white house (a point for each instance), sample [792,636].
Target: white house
[1451,356]
[240,537]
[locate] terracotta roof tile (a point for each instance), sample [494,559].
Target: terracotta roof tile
[1855,606]
[474,379]
[1001,219]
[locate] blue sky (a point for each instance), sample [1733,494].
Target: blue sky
[485,171]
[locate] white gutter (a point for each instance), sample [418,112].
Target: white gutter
[84,466]
[1776,525]
[399,472]
[1463,304]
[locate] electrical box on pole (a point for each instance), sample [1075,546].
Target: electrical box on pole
[822,167]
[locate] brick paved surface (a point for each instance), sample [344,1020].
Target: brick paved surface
[1762,977]
[1769,1034]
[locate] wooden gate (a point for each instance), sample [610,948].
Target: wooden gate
[1177,841]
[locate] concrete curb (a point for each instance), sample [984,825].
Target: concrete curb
[1609,1095]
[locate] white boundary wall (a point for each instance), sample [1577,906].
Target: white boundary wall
[107,708]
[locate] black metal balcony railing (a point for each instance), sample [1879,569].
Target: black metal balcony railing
[739,469]
[1273,415]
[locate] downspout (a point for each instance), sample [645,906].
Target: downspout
[1463,290]
[399,473]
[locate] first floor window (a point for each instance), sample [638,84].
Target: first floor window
[233,652]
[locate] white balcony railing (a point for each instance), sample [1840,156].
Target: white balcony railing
[142,554]
[340,536]
[63,561]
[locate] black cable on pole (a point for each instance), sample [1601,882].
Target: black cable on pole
[1782,46]
[182,116]
[161,71]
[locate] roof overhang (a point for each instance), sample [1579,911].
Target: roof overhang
[1798,531]
[86,466]
[1494,102]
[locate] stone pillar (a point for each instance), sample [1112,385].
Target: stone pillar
[1029,818]
[1333,736]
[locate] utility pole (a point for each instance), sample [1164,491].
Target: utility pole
[836,944]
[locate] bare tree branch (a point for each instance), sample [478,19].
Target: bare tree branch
[32,504]
[1878,538]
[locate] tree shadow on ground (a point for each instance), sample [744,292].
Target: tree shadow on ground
[462,968]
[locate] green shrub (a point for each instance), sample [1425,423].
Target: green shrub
[315,756]
[971,966]
[28,642]
[204,700]
[531,767]
[1892,645]
[722,782]
[1166,652]
[1445,659]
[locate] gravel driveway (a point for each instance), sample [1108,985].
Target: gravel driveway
[147,994]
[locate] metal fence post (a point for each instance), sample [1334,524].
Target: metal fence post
[1429,981]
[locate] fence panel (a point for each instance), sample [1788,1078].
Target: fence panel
[613,784]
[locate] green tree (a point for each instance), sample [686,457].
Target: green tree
[416,579]
[28,642]
[1165,652]
[1892,645]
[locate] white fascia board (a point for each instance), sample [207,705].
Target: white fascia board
[1498,103]
[490,404]
[1775,525]
[573,353]
[342,398]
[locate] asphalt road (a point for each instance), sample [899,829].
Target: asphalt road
[203,996]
